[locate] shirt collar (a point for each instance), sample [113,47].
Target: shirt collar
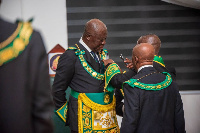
[144,67]
[84,45]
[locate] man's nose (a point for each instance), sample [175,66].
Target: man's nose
[104,42]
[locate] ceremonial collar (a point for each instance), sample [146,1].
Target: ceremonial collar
[144,67]
[151,87]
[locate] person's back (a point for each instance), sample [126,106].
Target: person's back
[152,102]
[156,109]
[25,86]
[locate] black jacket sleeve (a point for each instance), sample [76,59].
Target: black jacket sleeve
[119,103]
[119,79]
[179,114]
[131,104]
[63,77]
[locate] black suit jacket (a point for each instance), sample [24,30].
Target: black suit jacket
[25,98]
[118,80]
[70,73]
[152,111]
[171,70]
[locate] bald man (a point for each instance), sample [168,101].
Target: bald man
[152,102]
[81,69]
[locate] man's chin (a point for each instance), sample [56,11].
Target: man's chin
[98,50]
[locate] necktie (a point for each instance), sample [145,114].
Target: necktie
[94,56]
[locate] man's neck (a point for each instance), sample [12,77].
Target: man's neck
[84,45]
[144,67]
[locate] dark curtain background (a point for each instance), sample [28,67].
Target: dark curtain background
[178,28]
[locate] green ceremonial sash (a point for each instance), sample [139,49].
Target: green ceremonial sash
[151,87]
[102,98]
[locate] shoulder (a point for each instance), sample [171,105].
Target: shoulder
[69,54]
[152,78]
[7,29]
[6,26]
[152,81]
[171,69]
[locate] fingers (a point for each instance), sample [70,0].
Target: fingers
[108,61]
[127,60]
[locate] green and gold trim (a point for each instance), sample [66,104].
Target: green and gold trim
[111,71]
[122,92]
[62,112]
[159,60]
[86,66]
[101,106]
[72,48]
[152,87]
[89,69]
[16,43]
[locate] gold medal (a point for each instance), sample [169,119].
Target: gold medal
[84,64]
[94,74]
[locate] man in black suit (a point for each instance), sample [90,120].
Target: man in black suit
[25,98]
[158,61]
[152,102]
[81,68]
[158,64]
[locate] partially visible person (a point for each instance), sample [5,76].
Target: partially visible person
[152,102]
[90,108]
[159,64]
[25,98]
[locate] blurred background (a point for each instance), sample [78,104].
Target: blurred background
[176,22]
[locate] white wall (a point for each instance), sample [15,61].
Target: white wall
[49,18]
[191,106]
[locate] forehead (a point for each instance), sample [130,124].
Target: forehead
[101,34]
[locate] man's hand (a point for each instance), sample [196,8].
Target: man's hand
[130,64]
[106,62]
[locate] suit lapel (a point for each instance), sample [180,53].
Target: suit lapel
[90,60]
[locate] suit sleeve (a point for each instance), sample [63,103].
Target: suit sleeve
[42,104]
[119,79]
[172,71]
[63,77]
[119,103]
[131,110]
[179,114]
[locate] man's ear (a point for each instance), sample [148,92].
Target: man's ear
[136,59]
[88,37]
